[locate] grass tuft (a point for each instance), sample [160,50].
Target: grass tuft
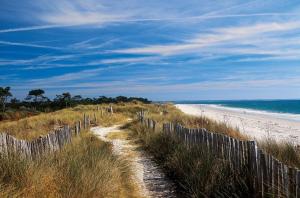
[84,168]
[286,152]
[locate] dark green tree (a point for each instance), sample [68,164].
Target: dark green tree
[64,98]
[4,95]
[67,98]
[36,94]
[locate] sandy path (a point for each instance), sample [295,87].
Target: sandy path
[150,179]
[255,124]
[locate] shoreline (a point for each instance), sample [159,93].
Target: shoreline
[285,116]
[255,124]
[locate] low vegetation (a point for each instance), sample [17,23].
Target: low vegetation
[197,173]
[85,168]
[34,126]
[37,102]
[284,151]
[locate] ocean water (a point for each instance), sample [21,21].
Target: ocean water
[274,106]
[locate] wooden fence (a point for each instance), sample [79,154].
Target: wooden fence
[47,144]
[270,177]
[149,123]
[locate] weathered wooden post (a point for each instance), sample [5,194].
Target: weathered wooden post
[95,118]
[76,129]
[298,183]
[79,126]
[84,121]
[111,109]
[88,121]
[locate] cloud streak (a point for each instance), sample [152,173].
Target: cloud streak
[31,28]
[28,45]
[216,37]
[82,20]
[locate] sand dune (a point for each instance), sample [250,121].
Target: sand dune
[255,124]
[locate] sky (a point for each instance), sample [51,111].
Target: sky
[162,50]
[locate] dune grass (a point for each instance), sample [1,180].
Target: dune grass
[200,174]
[12,114]
[196,172]
[285,152]
[169,113]
[84,168]
[34,126]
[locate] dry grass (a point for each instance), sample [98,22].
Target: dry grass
[10,115]
[118,135]
[194,169]
[85,168]
[284,151]
[32,127]
[197,172]
[169,113]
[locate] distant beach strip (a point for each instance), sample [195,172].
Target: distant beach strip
[254,123]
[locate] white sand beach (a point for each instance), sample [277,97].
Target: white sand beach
[255,124]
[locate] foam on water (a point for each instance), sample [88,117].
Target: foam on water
[288,116]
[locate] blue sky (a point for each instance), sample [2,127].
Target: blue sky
[163,50]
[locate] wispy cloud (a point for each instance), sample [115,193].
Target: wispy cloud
[60,79]
[92,13]
[28,45]
[126,60]
[78,13]
[30,28]
[66,13]
[72,77]
[217,36]
[81,21]
[87,44]
[39,60]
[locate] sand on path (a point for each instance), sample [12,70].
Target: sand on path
[148,176]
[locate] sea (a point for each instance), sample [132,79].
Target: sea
[272,106]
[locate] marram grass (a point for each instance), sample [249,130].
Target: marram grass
[34,126]
[84,168]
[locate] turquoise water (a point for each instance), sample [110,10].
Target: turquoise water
[277,106]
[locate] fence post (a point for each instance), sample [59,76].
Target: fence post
[298,183]
[76,129]
[95,118]
[111,109]
[84,121]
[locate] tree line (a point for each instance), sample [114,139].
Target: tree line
[37,100]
